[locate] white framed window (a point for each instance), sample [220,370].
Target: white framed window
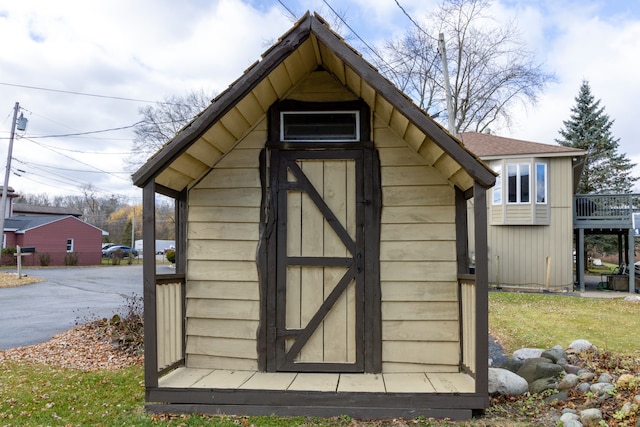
[69,245]
[320,126]
[497,188]
[518,183]
[541,183]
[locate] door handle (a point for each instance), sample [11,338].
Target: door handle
[359,262]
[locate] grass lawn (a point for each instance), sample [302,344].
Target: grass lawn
[542,320]
[33,395]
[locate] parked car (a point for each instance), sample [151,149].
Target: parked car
[106,246]
[124,250]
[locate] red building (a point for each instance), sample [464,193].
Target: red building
[57,239]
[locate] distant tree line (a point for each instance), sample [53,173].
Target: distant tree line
[113,213]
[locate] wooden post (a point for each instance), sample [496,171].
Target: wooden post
[19,260]
[548,277]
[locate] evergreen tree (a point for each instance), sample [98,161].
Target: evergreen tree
[126,234]
[589,128]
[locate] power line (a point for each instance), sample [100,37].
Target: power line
[411,19]
[74,159]
[40,165]
[84,133]
[293,15]
[356,34]
[70,92]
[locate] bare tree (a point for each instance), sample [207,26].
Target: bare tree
[490,68]
[162,121]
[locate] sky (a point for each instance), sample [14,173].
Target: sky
[81,70]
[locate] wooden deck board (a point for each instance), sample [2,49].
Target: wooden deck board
[418,382]
[224,379]
[452,383]
[361,383]
[269,381]
[408,383]
[183,377]
[315,382]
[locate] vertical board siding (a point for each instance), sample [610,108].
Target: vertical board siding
[468,304]
[420,324]
[169,323]
[519,255]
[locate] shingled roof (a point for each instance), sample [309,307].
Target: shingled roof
[487,146]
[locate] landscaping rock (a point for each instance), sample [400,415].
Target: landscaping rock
[571,369]
[535,369]
[512,364]
[624,380]
[584,387]
[591,417]
[527,353]
[632,298]
[568,382]
[605,378]
[505,382]
[581,345]
[555,354]
[542,384]
[496,353]
[599,389]
[585,375]
[570,419]
[560,397]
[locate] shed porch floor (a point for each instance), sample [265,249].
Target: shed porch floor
[420,382]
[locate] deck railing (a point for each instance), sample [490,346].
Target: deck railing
[605,210]
[170,320]
[467,301]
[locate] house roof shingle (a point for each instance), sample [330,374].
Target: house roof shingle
[22,223]
[486,145]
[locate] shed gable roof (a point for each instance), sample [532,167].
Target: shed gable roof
[308,45]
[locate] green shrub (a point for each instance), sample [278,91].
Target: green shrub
[171,256]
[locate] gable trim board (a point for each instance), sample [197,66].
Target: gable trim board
[217,169]
[307,27]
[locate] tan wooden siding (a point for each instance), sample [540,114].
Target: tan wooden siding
[418,265]
[420,325]
[519,255]
[518,214]
[222,236]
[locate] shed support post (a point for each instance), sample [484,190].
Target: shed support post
[482,290]
[149,285]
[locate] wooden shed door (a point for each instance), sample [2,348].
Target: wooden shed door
[320,261]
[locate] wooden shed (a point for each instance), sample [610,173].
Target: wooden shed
[321,237]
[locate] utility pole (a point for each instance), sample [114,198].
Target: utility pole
[6,175]
[447,85]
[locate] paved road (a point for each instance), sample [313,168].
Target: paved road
[33,313]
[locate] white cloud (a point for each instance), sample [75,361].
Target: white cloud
[151,49]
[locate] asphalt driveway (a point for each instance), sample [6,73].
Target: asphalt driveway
[31,314]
